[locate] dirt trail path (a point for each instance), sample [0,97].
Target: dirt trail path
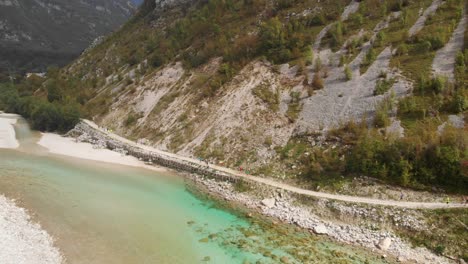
[444,61]
[273,183]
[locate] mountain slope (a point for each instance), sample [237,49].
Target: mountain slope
[293,89]
[37,33]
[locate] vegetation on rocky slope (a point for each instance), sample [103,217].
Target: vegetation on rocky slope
[206,53]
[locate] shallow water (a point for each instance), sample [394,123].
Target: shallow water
[104,213]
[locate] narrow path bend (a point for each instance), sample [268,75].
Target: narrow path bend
[284,186]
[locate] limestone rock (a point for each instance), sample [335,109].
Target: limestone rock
[321,230]
[270,203]
[385,243]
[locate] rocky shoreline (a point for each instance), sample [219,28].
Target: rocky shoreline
[280,205]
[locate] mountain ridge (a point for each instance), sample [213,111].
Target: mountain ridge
[35,34]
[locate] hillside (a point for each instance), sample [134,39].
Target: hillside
[291,89]
[36,34]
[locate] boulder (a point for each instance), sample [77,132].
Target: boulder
[321,229]
[384,244]
[284,259]
[270,203]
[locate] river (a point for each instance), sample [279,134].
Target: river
[107,213]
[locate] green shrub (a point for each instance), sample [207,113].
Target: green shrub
[53,91]
[241,186]
[157,60]
[294,107]
[131,119]
[412,161]
[459,102]
[382,86]
[434,85]
[370,57]
[460,59]
[266,95]
[424,46]
[336,35]
[380,39]
[382,118]
[348,73]
[402,49]
[316,20]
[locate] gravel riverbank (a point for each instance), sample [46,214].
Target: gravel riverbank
[22,241]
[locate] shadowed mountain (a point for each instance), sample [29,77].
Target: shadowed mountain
[37,33]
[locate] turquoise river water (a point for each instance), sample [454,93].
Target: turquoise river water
[105,213]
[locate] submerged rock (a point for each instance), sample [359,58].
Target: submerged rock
[204,240]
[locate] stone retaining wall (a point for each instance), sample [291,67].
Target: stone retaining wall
[85,133]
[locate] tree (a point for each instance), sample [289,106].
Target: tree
[53,92]
[272,35]
[45,117]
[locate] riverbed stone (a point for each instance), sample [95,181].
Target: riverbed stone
[284,259]
[384,244]
[204,240]
[321,230]
[269,202]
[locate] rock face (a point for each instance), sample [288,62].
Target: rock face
[38,33]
